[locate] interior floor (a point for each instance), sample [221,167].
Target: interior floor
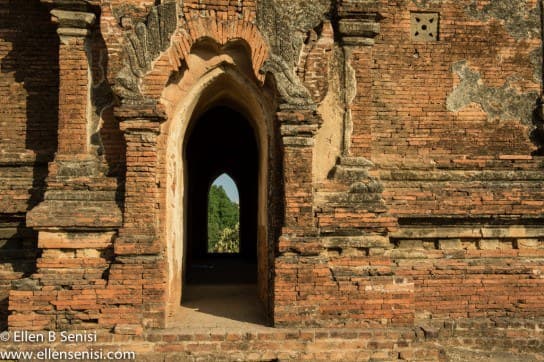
[219,307]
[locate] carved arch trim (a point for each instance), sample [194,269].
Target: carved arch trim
[160,47]
[222,32]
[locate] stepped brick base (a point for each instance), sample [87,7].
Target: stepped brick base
[490,340]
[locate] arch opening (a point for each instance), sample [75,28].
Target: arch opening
[223,216]
[221,141]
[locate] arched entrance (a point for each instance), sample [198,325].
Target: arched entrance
[221,141]
[209,63]
[219,120]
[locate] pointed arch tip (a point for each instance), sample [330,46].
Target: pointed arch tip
[229,180]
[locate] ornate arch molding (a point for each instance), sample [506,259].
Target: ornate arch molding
[222,32]
[161,45]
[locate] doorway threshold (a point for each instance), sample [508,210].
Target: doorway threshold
[219,307]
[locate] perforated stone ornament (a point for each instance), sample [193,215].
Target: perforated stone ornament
[424,26]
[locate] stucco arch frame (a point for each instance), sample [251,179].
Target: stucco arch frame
[185,102]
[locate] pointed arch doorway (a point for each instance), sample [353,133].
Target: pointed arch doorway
[208,63]
[221,141]
[222,123]
[220,287]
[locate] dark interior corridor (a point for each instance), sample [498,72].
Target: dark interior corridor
[221,141]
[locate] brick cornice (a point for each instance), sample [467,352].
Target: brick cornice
[73,23]
[73,19]
[148,111]
[75,215]
[358,22]
[138,126]
[358,31]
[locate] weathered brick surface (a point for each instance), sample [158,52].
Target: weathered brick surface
[409,114]
[74,92]
[315,57]
[443,341]
[432,212]
[456,278]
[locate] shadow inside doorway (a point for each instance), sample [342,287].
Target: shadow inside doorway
[224,306]
[222,270]
[221,293]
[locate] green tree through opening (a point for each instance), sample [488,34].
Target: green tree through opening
[223,221]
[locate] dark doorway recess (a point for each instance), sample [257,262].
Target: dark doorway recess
[221,141]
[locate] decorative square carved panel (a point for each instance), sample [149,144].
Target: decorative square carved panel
[424,26]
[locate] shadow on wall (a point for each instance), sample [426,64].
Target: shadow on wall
[537,134]
[18,254]
[33,62]
[107,137]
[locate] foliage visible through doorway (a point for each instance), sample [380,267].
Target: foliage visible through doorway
[223,222]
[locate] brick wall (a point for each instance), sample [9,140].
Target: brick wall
[412,81]
[446,163]
[442,163]
[435,214]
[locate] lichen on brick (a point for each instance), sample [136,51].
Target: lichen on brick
[285,24]
[536,58]
[520,19]
[142,47]
[137,14]
[504,103]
